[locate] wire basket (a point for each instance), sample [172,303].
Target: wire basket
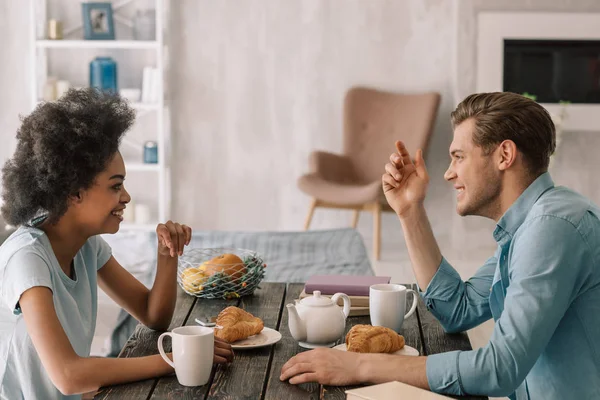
[220,273]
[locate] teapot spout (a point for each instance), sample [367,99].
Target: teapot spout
[296,324]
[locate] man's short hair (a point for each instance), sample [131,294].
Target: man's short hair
[503,116]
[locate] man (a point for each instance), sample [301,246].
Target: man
[542,286]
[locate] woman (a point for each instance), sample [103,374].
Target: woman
[63,187]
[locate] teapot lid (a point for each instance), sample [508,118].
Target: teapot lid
[316,300]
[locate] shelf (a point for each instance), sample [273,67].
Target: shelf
[137,106]
[142,167]
[97,44]
[145,106]
[138,227]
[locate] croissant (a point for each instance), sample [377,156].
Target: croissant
[373,339]
[237,324]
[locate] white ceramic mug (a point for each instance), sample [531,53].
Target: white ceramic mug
[387,305]
[193,351]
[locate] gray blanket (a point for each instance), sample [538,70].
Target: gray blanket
[290,256]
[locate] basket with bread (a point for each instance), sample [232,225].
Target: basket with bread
[220,273]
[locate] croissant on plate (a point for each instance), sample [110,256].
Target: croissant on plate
[237,324]
[373,339]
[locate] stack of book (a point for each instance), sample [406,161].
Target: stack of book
[356,287]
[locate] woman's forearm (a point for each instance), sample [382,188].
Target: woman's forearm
[88,374]
[163,295]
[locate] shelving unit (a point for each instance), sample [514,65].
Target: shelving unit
[138,106]
[40,48]
[97,44]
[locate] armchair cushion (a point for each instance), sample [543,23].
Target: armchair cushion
[332,167]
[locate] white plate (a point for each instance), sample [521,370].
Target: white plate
[266,337]
[315,346]
[405,351]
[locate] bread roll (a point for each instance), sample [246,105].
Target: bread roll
[373,339]
[237,324]
[228,263]
[193,279]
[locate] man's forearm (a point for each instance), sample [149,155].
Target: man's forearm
[422,247]
[381,368]
[163,295]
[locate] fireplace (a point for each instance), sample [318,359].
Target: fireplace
[553,56]
[553,70]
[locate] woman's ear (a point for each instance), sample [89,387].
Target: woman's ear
[76,198]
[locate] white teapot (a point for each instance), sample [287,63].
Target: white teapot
[317,321]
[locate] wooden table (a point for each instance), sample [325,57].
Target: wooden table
[254,374]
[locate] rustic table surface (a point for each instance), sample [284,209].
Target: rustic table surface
[254,374]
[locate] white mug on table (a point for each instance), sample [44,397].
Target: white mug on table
[193,351]
[387,305]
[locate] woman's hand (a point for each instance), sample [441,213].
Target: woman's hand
[223,352]
[172,236]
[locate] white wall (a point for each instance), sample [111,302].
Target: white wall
[258,85]
[13,71]
[255,86]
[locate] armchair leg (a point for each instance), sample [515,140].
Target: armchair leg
[355,218]
[377,231]
[311,211]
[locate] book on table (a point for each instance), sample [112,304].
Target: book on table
[359,305]
[359,312]
[352,285]
[355,301]
[392,391]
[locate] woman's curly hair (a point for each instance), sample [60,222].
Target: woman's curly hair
[61,147]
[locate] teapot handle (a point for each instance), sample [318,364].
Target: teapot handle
[346,299]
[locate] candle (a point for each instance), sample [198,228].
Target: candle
[55,30]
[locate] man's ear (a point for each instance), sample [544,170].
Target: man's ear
[506,154]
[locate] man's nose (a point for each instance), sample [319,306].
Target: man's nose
[449,174]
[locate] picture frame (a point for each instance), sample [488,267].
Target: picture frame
[98,21]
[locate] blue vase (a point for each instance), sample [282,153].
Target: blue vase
[150,152]
[103,74]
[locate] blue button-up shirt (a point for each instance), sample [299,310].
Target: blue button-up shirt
[542,287]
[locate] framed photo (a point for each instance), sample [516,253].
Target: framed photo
[98,21]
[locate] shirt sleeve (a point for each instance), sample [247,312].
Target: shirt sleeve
[544,279]
[459,305]
[103,251]
[23,271]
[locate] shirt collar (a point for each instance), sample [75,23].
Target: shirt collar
[516,213]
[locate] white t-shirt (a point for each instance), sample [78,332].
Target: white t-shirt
[27,260]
